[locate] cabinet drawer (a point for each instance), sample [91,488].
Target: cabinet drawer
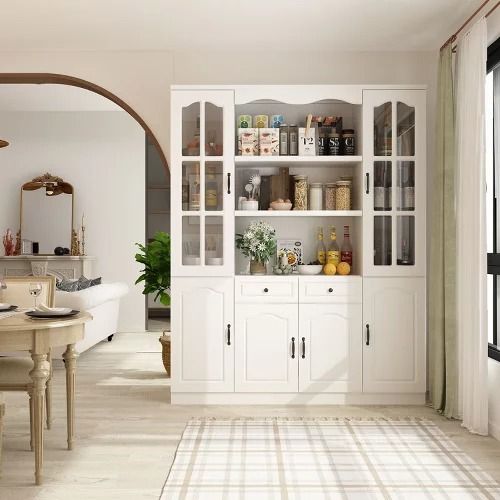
[266,289]
[330,289]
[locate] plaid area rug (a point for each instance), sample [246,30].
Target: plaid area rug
[322,458]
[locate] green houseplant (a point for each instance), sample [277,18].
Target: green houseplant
[155,257]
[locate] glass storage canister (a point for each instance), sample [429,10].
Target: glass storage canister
[316,196]
[348,178]
[330,189]
[300,192]
[343,195]
[347,142]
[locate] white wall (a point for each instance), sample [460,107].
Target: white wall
[102,154]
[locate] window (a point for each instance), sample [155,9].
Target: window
[492,96]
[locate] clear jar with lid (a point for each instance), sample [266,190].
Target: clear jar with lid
[300,192]
[343,195]
[330,189]
[350,179]
[316,196]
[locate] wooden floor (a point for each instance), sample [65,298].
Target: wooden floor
[127,432]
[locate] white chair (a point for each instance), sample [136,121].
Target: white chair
[14,370]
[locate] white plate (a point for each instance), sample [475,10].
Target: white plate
[4,306]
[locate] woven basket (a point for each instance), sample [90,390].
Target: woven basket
[165,352]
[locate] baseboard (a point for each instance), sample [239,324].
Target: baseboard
[217,398]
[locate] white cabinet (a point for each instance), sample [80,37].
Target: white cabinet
[266,348]
[394,159]
[330,348]
[202,335]
[394,335]
[202,166]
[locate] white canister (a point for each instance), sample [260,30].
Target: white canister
[249,205]
[316,196]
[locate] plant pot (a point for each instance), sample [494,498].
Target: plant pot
[257,267]
[165,351]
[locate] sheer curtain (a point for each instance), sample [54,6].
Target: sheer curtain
[471,230]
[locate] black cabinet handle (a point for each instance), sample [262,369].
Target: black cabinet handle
[303,347]
[229,183]
[293,347]
[266,290]
[330,290]
[367,334]
[367,191]
[228,334]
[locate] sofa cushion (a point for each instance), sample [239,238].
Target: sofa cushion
[83,300]
[75,285]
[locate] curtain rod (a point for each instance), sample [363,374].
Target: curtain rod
[453,37]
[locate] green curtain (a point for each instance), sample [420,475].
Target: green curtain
[443,358]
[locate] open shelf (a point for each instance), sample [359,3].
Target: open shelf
[298,213]
[276,161]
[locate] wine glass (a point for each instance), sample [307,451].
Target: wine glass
[35,290]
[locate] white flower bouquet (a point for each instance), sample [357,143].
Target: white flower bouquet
[258,242]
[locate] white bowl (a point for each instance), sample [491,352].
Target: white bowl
[310,269]
[278,205]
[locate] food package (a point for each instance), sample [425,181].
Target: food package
[248,142]
[261,121]
[292,249]
[244,121]
[269,142]
[307,143]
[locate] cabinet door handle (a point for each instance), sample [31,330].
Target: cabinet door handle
[303,347]
[367,334]
[228,334]
[266,290]
[229,183]
[367,190]
[330,290]
[293,347]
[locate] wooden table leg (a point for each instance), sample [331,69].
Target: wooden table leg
[39,375]
[69,357]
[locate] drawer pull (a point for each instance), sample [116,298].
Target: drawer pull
[293,347]
[266,290]
[303,347]
[330,290]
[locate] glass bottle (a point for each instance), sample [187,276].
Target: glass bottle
[333,254]
[346,250]
[320,248]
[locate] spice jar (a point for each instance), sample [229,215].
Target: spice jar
[300,192]
[316,196]
[347,142]
[343,195]
[330,195]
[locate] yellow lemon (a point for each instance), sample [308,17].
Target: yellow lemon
[329,269]
[344,268]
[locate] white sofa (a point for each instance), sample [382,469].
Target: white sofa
[103,303]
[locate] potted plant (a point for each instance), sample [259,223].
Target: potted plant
[258,243]
[155,257]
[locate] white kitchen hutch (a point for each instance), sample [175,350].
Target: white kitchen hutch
[238,338]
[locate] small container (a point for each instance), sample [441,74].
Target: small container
[347,143]
[300,192]
[333,143]
[284,139]
[343,195]
[276,121]
[323,141]
[261,121]
[293,140]
[316,196]
[244,121]
[348,178]
[330,189]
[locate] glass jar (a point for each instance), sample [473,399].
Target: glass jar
[300,192]
[348,178]
[343,195]
[316,196]
[330,195]
[347,142]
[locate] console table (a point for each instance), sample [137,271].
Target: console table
[67,266]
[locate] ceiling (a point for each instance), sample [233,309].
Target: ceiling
[236,25]
[48,97]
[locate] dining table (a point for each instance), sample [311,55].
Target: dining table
[19,332]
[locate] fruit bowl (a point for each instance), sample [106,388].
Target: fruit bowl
[281,205]
[309,269]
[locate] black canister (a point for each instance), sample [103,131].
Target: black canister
[333,143]
[347,142]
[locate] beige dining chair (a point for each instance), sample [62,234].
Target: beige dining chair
[14,370]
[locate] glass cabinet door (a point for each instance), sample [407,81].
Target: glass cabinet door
[202,194]
[394,204]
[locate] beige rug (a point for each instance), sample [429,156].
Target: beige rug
[309,459]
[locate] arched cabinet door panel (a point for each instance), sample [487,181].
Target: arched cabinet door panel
[202,335]
[394,335]
[266,348]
